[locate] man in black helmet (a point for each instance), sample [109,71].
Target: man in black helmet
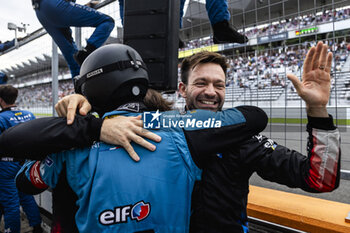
[119,81]
[52,135]
[115,92]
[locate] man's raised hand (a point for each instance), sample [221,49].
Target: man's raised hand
[315,86]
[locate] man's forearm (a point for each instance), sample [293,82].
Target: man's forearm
[324,154]
[37,138]
[235,129]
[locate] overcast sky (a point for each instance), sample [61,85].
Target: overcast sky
[19,11]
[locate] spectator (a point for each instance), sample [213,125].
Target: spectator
[10,197]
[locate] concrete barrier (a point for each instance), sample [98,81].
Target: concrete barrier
[298,211]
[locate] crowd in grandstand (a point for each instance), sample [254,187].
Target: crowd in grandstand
[41,95]
[299,22]
[269,65]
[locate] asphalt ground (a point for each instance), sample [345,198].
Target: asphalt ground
[25,228]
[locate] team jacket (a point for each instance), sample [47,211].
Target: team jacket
[115,194]
[219,200]
[9,118]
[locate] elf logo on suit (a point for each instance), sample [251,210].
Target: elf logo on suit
[138,212]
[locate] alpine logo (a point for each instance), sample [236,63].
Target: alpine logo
[48,161]
[138,212]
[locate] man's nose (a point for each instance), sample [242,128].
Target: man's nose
[210,90]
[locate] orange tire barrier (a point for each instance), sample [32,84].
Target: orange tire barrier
[298,211]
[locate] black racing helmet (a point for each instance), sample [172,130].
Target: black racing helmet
[112,75]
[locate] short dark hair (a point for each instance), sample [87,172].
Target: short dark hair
[189,63]
[8,93]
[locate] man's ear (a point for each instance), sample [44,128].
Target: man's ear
[182,89]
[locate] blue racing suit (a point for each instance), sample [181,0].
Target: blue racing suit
[121,10]
[57,16]
[3,78]
[115,194]
[7,45]
[10,197]
[217,11]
